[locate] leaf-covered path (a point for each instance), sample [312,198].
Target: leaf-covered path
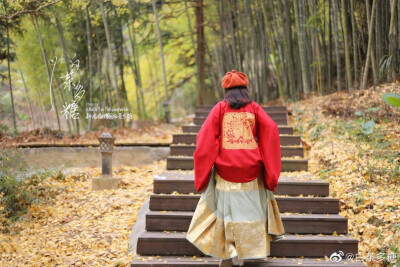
[80,227]
[363,168]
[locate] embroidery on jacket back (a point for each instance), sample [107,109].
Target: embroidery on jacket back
[237,130]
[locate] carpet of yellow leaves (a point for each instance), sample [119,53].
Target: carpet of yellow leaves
[81,227]
[358,170]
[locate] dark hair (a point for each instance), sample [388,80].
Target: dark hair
[237,97]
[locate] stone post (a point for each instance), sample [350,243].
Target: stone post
[106,181]
[166,111]
[106,147]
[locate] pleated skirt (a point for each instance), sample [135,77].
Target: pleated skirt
[235,220]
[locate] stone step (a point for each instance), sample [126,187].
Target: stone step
[184,202]
[275,115]
[183,182]
[267,109]
[174,244]
[283,129]
[186,163]
[278,121]
[293,223]
[190,138]
[170,261]
[188,150]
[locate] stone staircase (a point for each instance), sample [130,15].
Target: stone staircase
[313,227]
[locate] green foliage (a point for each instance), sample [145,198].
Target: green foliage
[392,99]
[367,132]
[317,127]
[298,129]
[313,121]
[11,163]
[21,187]
[316,133]
[389,64]
[3,129]
[5,105]
[367,128]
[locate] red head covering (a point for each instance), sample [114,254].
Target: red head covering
[234,79]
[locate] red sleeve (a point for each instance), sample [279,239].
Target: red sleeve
[269,146]
[207,147]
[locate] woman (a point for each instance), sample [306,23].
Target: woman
[237,164]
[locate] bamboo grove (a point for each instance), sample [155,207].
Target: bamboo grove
[293,48]
[141,54]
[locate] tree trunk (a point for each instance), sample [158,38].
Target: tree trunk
[44,115]
[27,97]
[393,48]
[302,45]
[66,59]
[200,52]
[198,77]
[52,97]
[89,46]
[318,58]
[329,45]
[310,45]
[270,38]
[373,61]
[136,66]
[118,41]
[9,79]
[346,47]
[138,105]
[63,100]
[364,84]
[232,29]
[378,32]
[99,65]
[287,29]
[109,49]
[154,82]
[336,39]
[398,24]
[355,43]
[162,58]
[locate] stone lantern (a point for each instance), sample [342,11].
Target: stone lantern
[106,181]
[106,147]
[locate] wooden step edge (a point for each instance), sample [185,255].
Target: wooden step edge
[274,115]
[286,217]
[287,238]
[286,159]
[195,125]
[279,126]
[281,181]
[195,134]
[170,261]
[283,198]
[273,111]
[300,146]
[285,175]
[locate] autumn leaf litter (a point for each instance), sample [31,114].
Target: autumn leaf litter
[81,227]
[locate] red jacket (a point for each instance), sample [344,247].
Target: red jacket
[239,142]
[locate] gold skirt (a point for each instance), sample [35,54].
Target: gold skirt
[235,220]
